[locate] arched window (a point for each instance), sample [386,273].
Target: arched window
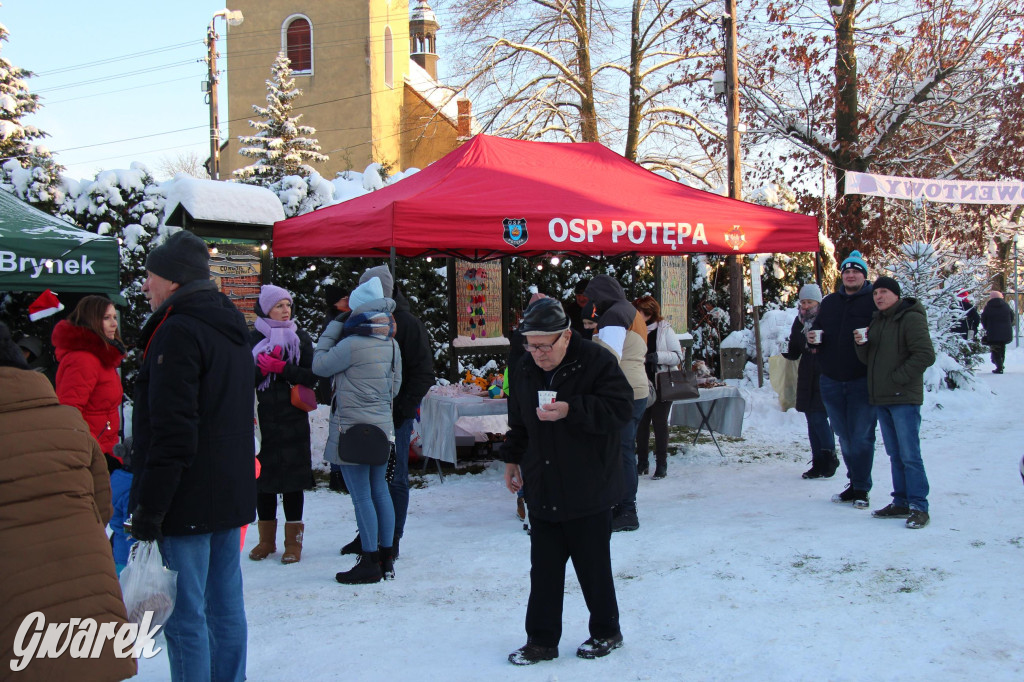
[389,65]
[298,43]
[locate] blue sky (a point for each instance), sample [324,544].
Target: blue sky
[86,108]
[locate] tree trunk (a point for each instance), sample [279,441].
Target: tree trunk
[633,114]
[848,221]
[588,112]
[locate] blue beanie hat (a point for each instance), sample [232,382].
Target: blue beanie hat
[370,290]
[855,261]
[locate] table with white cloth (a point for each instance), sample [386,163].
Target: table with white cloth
[439,413]
[717,409]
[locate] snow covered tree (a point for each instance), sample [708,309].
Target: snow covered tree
[36,177]
[933,272]
[282,146]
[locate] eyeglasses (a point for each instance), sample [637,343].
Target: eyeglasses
[542,347]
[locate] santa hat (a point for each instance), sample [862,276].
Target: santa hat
[964,294]
[44,306]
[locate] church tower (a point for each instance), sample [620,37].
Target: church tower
[423,37]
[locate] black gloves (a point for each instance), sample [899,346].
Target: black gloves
[145,525]
[651,358]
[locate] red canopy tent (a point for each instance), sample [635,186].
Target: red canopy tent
[493,197]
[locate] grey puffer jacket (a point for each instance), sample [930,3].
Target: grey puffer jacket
[367,374]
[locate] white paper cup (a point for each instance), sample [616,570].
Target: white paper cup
[814,336]
[546,397]
[860,335]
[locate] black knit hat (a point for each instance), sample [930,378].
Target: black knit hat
[183,258]
[334,293]
[887,283]
[544,316]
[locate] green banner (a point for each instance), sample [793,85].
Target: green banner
[39,251]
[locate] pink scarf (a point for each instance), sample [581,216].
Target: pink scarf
[276,333]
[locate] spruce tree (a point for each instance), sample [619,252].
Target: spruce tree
[281,146]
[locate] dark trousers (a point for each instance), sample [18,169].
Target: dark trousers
[998,354]
[266,506]
[655,416]
[587,541]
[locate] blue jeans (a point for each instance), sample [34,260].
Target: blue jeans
[120,489]
[207,631]
[627,446]
[399,485]
[375,515]
[819,431]
[901,429]
[853,420]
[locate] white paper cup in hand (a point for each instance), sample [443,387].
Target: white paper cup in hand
[546,397]
[814,336]
[860,335]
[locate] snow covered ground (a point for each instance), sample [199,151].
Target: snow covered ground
[741,570]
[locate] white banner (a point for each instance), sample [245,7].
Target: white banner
[939,191]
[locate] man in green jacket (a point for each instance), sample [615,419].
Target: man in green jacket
[897,350]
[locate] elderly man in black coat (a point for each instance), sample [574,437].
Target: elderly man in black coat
[564,447]
[997,318]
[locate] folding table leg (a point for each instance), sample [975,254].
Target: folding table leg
[704,422]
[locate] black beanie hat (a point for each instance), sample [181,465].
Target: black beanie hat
[10,354]
[334,293]
[182,258]
[888,283]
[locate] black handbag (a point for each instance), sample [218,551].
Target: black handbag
[364,444]
[676,384]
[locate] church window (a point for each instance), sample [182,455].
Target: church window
[298,38]
[389,59]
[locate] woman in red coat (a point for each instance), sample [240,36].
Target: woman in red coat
[89,350]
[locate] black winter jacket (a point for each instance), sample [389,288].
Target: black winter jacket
[997,318]
[840,313]
[571,467]
[417,359]
[192,422]
[808,392]
[285,463]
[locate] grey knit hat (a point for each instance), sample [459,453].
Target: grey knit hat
[183,258]
[381,272]
[810,292]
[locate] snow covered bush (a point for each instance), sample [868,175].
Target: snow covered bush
[933,272]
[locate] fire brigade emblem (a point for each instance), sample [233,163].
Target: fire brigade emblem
[515,231]
[735,238]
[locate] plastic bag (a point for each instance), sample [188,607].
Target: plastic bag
[782,373]
[147,585]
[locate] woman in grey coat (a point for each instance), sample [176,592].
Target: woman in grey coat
[365,363]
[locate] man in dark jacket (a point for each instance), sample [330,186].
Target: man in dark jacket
[193,457]
[808,392]
[622,329]
[967,325]
[897,350]
[997,318]
[566,454]
[844,385]
[417,378]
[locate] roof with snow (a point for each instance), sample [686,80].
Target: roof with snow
[441,97]
[221,202]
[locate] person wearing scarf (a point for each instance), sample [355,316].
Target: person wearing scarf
[362,356]
[824,461]
[283,356]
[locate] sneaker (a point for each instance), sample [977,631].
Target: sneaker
[626,519]
[918,519]
[597,648]
[859,498]
[891,511]
[532,653]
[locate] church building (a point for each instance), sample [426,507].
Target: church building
[367,70]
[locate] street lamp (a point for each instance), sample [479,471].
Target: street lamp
[1016,293]
[234,18]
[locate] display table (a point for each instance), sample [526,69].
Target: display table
[716,409]
[438,415]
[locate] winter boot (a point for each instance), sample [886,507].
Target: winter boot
[660,467]
[387,562]
[626,519]
[292,542]
[643,466]
[859,498]
[354,547]
[268,541]
[337,482]
[532,653]
[829,463]
[366,571]
[394,549]
[596,647]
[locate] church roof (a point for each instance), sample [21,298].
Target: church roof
[443,98]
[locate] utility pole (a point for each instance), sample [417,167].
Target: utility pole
[732,140]
[233,18]
[211,62]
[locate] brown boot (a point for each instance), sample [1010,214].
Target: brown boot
[268,541]
[292,542]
